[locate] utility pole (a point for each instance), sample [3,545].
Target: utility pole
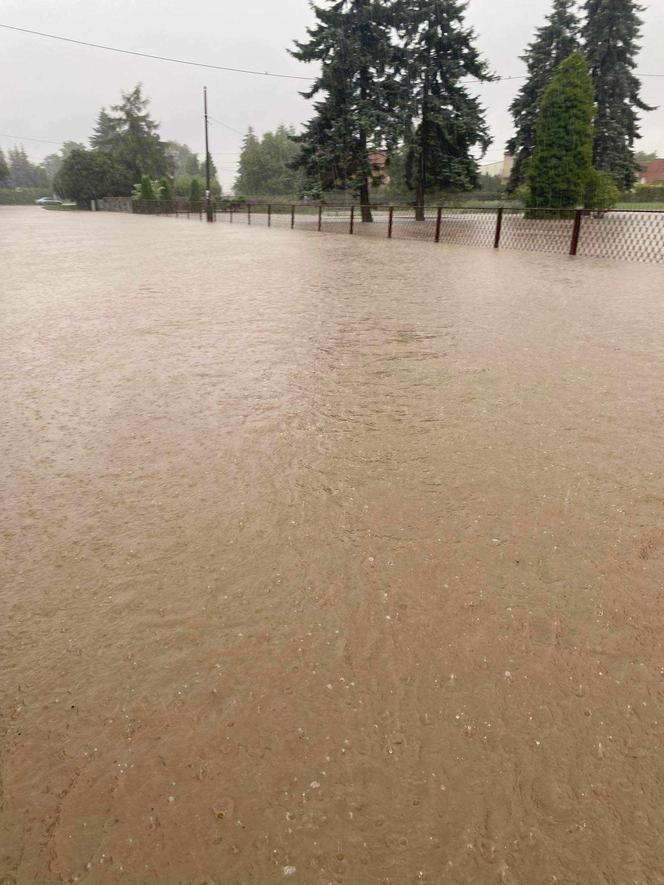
[208,195]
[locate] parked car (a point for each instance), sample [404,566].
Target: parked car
[48,201]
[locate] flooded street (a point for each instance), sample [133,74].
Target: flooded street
[327,559]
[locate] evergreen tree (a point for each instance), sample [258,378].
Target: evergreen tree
[132,136]
[443,122]
[553,43]
[354,93]
[266,166]
[23,173]
[611,38]
[195,191]
[183,160]
[248,181]
[4,168]
[561,164]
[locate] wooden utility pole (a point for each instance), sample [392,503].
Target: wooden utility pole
[208,195]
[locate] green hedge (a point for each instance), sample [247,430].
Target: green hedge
[644,193]
[26,196]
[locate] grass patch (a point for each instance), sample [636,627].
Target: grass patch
[641,207]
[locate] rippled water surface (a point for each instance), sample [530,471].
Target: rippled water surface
[327,560]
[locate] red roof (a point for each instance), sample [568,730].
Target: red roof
[654,172]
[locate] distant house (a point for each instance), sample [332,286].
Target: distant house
[503,167]
[652,172]
[378,163]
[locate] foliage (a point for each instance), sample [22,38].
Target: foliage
[443,122]
[25,196]
[147,189]
[53,163]
[195,191]
[165,189]
[131,136]
[355,98]
[611,37]
[492,184]
[90,175]
[4,168]
[23,173]
[644,157]
[266,165]
[645,193]
[601,192]
[553,43]
[183,160]
[562,159]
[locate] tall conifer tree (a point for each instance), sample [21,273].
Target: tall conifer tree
[131,136]
[562,161]
[355,97]
[611,37]
[553,43]
[443,121]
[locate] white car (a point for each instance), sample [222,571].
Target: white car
[48,201]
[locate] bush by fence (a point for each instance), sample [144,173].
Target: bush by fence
[644,193]
[24,196]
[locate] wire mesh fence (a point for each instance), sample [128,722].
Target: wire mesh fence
[632,235]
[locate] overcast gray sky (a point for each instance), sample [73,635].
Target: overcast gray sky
[54,90]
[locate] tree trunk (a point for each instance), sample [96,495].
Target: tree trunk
[420,190]
[419,200]
[365,204]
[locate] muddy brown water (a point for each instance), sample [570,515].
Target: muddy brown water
[327,560]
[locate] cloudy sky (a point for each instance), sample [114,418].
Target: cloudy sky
[53,91]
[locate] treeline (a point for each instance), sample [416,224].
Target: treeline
[394,78]
[16,170]
[125,149]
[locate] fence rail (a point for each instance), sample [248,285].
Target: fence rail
[627,235]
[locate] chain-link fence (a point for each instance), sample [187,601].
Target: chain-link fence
[631,235]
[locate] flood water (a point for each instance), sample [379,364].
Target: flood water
[327,559]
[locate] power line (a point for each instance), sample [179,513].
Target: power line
[28,138]
[199,64]
[226,126]
[177,61]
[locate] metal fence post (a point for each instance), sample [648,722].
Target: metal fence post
[439,219]
[231,219]
[248,213]
[576,232]
[320,218]
[292,217]
[390,223]
[352,220]
[499,228]
[269,215]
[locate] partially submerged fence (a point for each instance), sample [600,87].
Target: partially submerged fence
[624,235]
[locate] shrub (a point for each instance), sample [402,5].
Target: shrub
[601,191]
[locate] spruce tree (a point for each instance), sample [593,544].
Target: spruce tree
[611,37]
[249,177]
[562,160]
[131,136]
[443,121]
[553,43]
[355,96]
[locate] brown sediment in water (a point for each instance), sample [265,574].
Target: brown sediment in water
[327,560]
